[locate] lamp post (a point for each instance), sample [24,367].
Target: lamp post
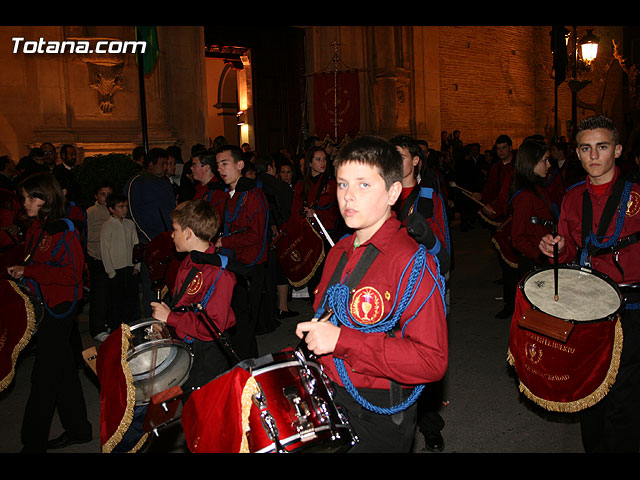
[588,52]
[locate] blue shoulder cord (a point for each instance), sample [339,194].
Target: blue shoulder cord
[337,298]
[61,242]
[428,192]
[231,219]
[591,238]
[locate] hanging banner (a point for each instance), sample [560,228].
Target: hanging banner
[343,108]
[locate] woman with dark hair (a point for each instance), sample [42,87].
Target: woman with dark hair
[52,268]
[535,207]
[314,195]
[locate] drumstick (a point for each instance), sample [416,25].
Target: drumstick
[302,346]
[468,194]
[326,234]
[555,267]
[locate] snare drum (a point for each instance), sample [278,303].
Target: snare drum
[157,360]
[566,352]
[289,408]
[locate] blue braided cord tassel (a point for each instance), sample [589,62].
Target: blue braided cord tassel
[591,238]
[337,298]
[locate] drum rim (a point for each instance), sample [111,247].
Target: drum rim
[573,266]
[295,438]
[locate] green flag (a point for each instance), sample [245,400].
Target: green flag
[152,50]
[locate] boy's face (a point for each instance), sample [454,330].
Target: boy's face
[120,210]
[101,196]
[598,152]
[180,237]
[408,162]
[229,170]
[363,198]
[286,173]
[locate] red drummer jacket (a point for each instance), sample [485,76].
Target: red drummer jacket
[418,351]
[327,205]
[218,308]
[499,175]
[570,227]
[526,235]
[56,263]
[244,223]
[213,192]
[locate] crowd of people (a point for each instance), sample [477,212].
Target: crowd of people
[229,202]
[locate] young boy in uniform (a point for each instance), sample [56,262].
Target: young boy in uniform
[195,224]
[598,226]
[379,328]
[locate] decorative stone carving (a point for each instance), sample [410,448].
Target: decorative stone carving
[105,71]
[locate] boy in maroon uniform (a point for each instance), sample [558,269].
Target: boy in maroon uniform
[244,239]
[195,224]
[386,335]
[208,186]
[598,227]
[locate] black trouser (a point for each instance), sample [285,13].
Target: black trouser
[98,296]
[378,433]
[123,298]
[247,301]
[55,384]
[613,424]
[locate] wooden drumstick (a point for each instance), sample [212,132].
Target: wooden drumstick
[555,267]
[468,194]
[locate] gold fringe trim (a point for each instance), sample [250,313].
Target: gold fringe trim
[510,263]
[127,418]
[250,389]
[26,337]
[315,267]
[489,221]
[591,399]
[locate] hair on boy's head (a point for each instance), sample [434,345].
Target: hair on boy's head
[199,216]
[115,198]
[598,121]
[101,185]
[375,152]
[206,157]
[236,152]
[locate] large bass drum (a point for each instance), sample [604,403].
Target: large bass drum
[156,359]
[566,351]
[277,403]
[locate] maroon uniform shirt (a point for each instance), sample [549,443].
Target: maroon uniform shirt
[245,224]
[218,308]
[213,192]
[60,281]
[525,235]
[418,352]
[570,227]
[327,204]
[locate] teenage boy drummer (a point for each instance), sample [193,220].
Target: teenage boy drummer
[387,335]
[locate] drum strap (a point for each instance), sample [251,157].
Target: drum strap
[617,201]
[183,288]
[337,296]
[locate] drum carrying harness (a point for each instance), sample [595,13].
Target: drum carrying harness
[63,226]
[337,299]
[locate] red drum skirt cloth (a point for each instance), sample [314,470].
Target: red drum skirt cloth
[574,372]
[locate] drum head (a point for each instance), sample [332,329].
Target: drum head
[583,295]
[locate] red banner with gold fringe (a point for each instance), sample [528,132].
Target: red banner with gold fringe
[337,112]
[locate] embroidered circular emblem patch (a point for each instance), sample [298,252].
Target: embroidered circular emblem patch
[633,205]
[367,306]
[195,285]
[45,242]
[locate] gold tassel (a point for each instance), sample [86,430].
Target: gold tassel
[250,389]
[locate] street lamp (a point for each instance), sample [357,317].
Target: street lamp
[589,47]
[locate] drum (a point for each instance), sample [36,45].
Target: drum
[157,360]
[22,314]
[289,408]
[300,250]
[566,352]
